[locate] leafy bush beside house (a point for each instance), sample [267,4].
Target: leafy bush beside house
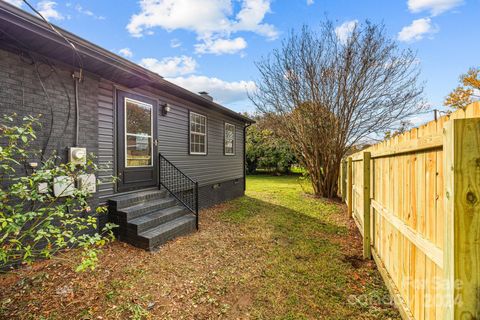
[34,223]
[265,150]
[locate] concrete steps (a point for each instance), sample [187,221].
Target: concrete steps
[148,219]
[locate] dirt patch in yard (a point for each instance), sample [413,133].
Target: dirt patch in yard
[274,254]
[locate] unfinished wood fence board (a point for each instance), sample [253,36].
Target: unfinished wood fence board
[349,186]
[462,191]
[366,205]
[424,214]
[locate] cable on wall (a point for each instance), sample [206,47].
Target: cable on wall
[27,57]
[77,76]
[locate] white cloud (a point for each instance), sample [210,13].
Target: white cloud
[126,52]
[87,12]
[222,91]
[221,46]
[435,7]
[16,3]
[175,43]
[48,11]
[309,2]
[417,30]
[251,16]
[199,16]
[344,31]
[210,20]
[170,66]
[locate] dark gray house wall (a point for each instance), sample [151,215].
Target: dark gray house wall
[220,176]
[23,36]
[21,92]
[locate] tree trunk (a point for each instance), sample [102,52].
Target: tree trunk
[324,180]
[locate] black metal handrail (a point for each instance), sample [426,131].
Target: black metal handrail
[179,185]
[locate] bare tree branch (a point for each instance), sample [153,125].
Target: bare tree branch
[326,95]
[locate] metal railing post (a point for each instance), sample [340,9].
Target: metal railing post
[196,202]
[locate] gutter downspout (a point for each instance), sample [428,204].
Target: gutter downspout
[245,156]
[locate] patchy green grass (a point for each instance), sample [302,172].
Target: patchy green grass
[313,267]
[276,253]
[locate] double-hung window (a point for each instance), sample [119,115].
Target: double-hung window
[198,134]
[229,139]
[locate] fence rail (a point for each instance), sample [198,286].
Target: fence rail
[415,199]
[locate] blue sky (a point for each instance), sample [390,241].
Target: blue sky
[212,44]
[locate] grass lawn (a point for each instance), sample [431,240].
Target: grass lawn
[276,253]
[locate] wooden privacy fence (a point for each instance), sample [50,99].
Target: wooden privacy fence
[416,201]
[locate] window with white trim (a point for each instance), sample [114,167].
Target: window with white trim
[229,139]
[198,133]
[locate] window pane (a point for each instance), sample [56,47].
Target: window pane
[197,143]
[229,138]
[197,133]
[139,118]
[139,151]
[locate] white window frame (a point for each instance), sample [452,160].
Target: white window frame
[136,135]
[225,139]
[190,132]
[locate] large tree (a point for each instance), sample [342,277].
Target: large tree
[327,92]
[466,93]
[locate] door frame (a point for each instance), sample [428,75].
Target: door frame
[120,94]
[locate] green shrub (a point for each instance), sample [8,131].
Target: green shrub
[265,150]
[34,223]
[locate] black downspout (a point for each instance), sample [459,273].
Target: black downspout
[245,156]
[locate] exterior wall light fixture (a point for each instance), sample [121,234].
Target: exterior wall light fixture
[165,109]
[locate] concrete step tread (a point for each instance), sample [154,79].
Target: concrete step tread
[167,227]
[148,204]
[126,200]
[156,214]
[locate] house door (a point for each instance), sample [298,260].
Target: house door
[137,142]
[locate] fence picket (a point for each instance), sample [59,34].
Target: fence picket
[420,238]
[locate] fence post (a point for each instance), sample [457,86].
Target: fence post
[367,254]
[349,186]
[344,180]
[462,219]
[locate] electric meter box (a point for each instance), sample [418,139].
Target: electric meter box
[42,187]
[87,182]
[63,186]
[77,155]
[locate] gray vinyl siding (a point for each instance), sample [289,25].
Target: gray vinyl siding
[106,138]
[207,169]
[21,92]
[173,139]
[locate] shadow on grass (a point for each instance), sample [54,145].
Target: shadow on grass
[285,219]
[307,272]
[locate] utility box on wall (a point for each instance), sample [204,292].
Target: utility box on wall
[87,182]
[63,186]
[77,155]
